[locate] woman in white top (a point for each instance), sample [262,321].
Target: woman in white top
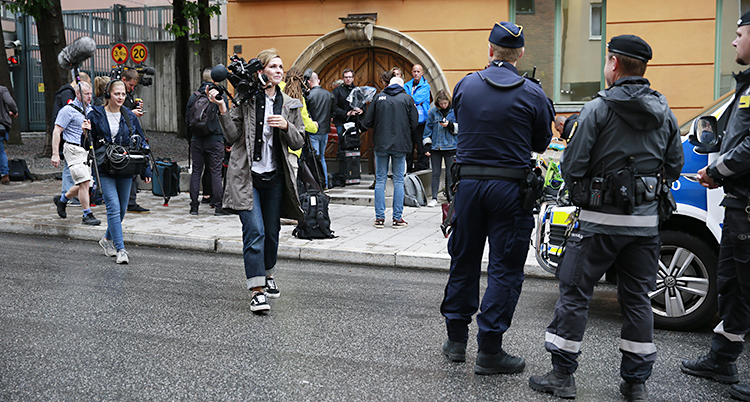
[114,124]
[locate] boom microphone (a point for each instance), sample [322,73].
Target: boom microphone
[219,73]
[149,70]
[77,52]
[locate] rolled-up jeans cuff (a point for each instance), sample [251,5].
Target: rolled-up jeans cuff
[256,282]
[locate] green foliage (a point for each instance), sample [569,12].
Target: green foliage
[34,8]
[192,12]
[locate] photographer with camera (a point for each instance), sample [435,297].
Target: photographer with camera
[114,124]
[263,124]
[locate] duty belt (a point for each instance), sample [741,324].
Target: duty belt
[479,172]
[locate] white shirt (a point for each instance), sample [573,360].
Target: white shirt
[114,123]
[266,163]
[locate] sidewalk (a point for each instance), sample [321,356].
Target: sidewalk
[27,208]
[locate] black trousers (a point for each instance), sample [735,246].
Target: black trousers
[733,278]
[422,161]
[587,257]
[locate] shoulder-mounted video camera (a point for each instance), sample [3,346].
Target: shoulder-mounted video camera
[242,75]
[145,73]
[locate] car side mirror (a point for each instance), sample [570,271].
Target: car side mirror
[704,135]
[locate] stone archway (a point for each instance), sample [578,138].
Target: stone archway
[328,47]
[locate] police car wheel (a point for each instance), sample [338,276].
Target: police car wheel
[686,289]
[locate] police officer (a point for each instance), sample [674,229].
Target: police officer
[625,136]
[730,170]
[502,117]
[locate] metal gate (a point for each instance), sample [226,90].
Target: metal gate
[105,26]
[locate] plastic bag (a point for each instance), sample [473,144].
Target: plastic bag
[361,96]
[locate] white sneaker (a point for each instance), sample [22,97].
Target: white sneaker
[259,304]
[108,246]
[432,203]
[122,256]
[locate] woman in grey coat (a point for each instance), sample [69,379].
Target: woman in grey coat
[260,182]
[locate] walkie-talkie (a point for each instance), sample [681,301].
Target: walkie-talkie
[595,193]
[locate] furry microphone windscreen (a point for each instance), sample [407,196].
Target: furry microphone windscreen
[77,52]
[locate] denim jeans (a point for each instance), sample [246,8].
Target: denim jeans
[381,175]
[319,142]
[260,230]
[116,193]
[67,179]
[3,158]
[210,154]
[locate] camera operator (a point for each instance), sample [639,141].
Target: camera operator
[260,182]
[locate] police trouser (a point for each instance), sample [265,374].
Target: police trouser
[486,210]
[587,257]
[733,278]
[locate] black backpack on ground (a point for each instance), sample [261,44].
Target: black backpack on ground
[316,223]
[18,170]
[200,113]
[167,180]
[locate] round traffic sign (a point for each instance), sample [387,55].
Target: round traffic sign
[120,53]
[138,53]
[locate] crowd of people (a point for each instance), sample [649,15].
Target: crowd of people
[247,157]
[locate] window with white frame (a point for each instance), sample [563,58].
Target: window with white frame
[595,22]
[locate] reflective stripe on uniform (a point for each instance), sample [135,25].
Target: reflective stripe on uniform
[562,343]
[721,166]
[618,220]
[732,337]
[641,348]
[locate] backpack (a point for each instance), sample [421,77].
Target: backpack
[316,223]
[414,195]
[349,139]
[18,170]
[200,113]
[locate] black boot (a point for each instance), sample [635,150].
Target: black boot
[740,391]
[557,383]
[498,363]
[633,391]
[456,351]
[708,367]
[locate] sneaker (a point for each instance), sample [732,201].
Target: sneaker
[91,220]
[259,304]
[206,200]
[399,223]
[108,246]
[634,392]
[138,209]
[432,203]
[379,223]
[456,351]
[740,391]
[5,180]
[193,210]
[272,291]
[74,202]
[707,367]
[221,212]
[498,363]
[122,257]
[60,206]
[557,383]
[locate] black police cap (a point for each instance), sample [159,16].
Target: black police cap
[507,34]
[630,45]
[744,20]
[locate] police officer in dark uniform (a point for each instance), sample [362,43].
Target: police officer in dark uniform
[502,117]
[731,171]
[626,143]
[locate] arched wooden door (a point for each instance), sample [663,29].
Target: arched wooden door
[368,66]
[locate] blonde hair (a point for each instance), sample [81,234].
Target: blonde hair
[265,56]
[100,83]
[110,88]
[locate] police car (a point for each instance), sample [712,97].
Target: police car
[686,289]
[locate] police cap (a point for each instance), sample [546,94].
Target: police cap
[507,34]
[745,20]
[630,45]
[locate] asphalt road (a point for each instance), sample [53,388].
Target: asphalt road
[176,325]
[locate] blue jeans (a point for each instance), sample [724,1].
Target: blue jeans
[260,230]
[116,193]
[3,159]
[67,179]
[319,142]
[381,175]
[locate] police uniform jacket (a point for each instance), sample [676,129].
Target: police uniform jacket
[393,116]
[629,119]
[500,127]
[732,167]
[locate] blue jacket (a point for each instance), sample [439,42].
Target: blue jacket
[101,134]
[421,96]
[501,127]
[442,138]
